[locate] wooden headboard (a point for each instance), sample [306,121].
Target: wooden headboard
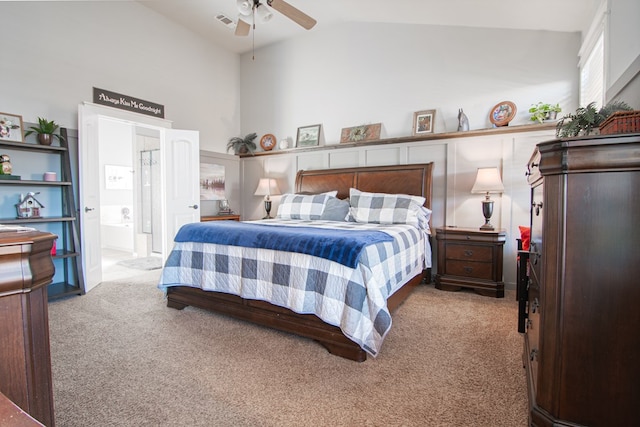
[397,179]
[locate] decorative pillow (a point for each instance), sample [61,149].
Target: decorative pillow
[298,206]
[381,208]
[525,236]
[335,209]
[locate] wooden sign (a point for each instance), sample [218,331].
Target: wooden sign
[129,103]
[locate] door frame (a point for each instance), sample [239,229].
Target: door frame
[88,188]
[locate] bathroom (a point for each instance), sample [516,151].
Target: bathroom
[129,223]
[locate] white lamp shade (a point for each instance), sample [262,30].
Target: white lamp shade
[488,181]
[245,7]
[263,13]
[267,187]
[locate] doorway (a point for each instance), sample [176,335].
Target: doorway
[130,221]
[179,174]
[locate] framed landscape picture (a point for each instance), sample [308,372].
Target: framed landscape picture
[308,136]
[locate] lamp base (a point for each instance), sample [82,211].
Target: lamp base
[267,207]
[487,211]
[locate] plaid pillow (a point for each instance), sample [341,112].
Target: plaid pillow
[299,206]
[380,208]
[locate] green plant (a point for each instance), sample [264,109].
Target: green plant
[540,112]
[45,127]
[242,145]
[586,119]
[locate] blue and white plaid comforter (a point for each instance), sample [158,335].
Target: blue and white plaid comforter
[354,299]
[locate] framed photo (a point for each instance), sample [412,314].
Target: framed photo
[502,113]
[361,133]
[423,121]
[212,182]
[11,128]
[308,136]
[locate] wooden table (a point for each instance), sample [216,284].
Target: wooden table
[232,217]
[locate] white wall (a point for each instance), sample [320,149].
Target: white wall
[361,73]
[56,52]
[623,37]
[623,52]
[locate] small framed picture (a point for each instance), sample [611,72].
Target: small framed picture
[11,128]
[423,121]
[308,136]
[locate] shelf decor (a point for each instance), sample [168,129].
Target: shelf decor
[361,133]
[308,136]
[423,121]
[268,142]
[502,113]
[11,128]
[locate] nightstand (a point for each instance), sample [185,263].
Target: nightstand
[232,217]
[470,258]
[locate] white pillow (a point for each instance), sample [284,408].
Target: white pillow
[300,206]
[382,208]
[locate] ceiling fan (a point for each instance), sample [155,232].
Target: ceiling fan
[250,9]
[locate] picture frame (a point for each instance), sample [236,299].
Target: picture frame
[423,121]
[362,133]
[308,136]
[11,127]
[502,113]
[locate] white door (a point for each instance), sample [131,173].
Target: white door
[89,191]
[180,163]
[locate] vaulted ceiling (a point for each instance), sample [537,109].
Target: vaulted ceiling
[200,16]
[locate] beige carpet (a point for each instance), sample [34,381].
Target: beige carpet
[122,358]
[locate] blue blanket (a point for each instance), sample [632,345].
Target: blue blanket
[342,246]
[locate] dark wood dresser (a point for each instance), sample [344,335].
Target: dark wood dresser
[582,321]
[26,268]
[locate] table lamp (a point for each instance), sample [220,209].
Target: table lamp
[267,187]
[487,181]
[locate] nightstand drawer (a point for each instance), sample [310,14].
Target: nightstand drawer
[477,270]
[469,252]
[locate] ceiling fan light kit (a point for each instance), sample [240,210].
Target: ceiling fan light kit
[245,7]
[263,13]
[248,8]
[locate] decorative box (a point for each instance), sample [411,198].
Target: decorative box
[621,122]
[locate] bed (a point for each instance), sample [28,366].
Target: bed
[181,291]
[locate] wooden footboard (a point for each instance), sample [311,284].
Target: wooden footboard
[265,314]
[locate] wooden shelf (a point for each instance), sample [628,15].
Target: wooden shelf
[404,139]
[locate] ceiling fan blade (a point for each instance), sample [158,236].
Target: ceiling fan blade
[292,13]
[242,28]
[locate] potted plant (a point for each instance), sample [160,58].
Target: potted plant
[588,118]
[44,131]
[541,112]
[241,145]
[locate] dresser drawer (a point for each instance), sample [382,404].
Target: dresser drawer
[469,252]
[477,270]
